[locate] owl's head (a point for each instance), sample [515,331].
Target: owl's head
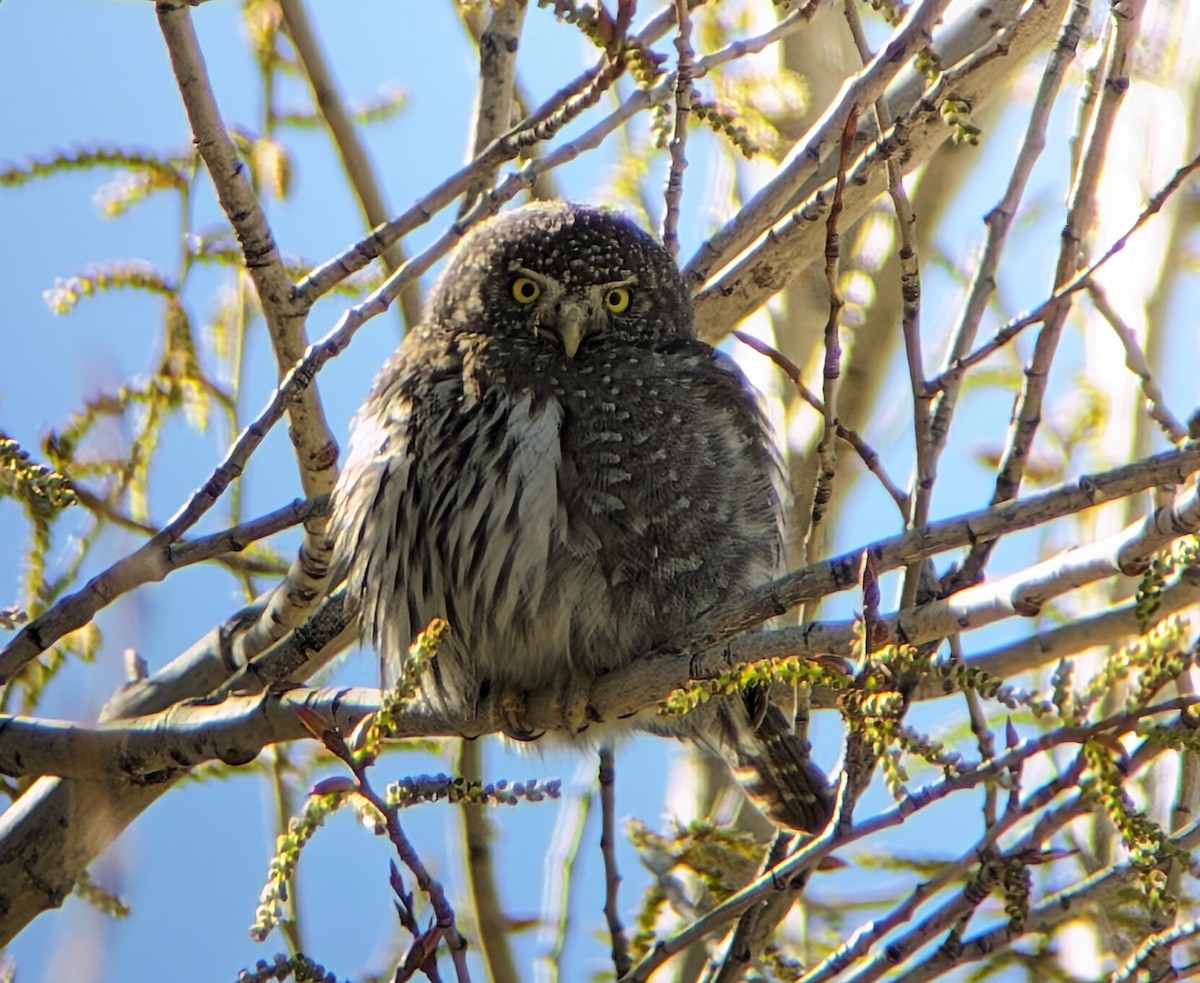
[562,274]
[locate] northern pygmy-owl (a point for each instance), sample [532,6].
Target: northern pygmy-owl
[554,464]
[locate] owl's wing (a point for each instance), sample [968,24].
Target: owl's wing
[370,502]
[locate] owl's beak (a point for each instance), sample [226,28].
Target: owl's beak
[575,321]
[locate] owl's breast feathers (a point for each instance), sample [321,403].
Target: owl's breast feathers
[562,514]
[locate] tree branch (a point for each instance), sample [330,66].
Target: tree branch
[345,138]
[797,240]
[283,310]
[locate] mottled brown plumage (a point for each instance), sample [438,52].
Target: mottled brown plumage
[554,464]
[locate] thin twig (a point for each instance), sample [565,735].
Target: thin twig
[612,874]
[777,878]
[869,456]
[1028,413]
[1085,898]
[861,941]
[998,221]
[1153,945]
[910,324]
[831,365]
[1135,361]
[757,925]
[835,836]
[236,538]
[683,109]
[1080,281]
[445,925]
[346,141]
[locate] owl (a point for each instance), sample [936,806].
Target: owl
[554,464]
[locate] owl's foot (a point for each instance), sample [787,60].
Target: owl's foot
[573,704]
[514,705]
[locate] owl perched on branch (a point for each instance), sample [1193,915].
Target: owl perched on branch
[554,464]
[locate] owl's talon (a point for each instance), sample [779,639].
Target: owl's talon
[517,733]
[573,705]
[513,705]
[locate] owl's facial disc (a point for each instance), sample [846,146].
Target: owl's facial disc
[573,311]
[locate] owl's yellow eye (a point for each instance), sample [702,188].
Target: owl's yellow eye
[616,299]
[525,291]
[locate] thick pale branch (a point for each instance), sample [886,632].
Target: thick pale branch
[1044,647]
[841,572]
[862,89]
[283,310]
[498,44]
[56,829]
[149,749]
[155,749]
[798,240]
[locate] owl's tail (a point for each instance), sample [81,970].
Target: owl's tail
[775,767]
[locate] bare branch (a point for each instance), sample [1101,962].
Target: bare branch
[498,45]
[145,563]
[841,572]
[1101,889]
[1107,628]
[683,109]
[999,220]
[833,838]
[796,241]
[612,874]
[868,454]
[284,311]
[762,211]
[831,365]
[859,943]
[1135,361]
[1080,281]
[1028,414]
[345,138]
